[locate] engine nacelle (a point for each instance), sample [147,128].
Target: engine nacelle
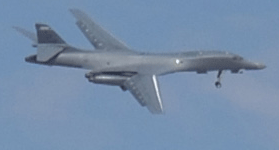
[107,79]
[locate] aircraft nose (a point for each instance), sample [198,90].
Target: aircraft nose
[260,65]
[249,65]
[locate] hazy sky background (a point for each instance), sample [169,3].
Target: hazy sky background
[57,108]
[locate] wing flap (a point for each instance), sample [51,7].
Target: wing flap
[146,91]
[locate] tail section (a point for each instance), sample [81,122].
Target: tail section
[46,35]
[47,52]
[49,44]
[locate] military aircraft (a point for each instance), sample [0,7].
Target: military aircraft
[114,63]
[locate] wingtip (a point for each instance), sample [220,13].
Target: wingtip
[75,10]
[161,112]
[26,33]
[72,10]
[77,13]
[16,28]
[19,29]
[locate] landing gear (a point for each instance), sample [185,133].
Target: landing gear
[218,82]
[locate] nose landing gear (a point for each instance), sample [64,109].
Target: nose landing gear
[218,82]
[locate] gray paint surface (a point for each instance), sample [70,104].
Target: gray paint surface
[114,63]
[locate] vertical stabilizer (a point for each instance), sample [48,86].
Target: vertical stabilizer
[46,35]
[50,44]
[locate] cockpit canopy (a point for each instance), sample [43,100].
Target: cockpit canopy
[238,58]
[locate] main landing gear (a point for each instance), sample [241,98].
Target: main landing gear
[218,82]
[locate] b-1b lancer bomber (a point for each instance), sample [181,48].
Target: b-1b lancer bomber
[114,63]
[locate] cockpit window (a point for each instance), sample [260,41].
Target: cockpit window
[237,58]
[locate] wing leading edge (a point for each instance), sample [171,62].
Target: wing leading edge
[145,89]
[98,37]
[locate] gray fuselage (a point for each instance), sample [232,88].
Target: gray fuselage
[148,63]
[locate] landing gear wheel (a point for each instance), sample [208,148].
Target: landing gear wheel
[218,84]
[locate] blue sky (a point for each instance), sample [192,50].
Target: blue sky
[57,108]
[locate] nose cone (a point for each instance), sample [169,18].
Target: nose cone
[260,65]
[255,66]
[248,65]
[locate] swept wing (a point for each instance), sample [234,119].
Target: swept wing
[145,89]
[32,36]
[98,37]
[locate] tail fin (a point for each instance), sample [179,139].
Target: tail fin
[50,44]
[46,35]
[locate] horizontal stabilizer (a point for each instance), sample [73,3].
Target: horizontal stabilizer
[47,36]
[47,51]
